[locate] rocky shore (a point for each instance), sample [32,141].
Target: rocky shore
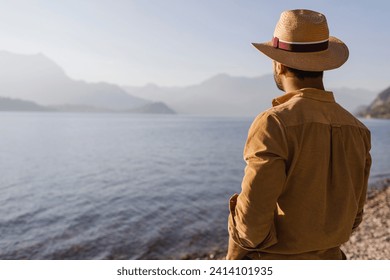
[371,241]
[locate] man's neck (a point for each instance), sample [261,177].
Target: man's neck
[292,84]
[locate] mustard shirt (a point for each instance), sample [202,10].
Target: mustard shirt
[306,176]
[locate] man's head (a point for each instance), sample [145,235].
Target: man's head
[302,48]
[284,74]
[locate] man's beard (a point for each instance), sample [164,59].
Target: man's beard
[278,82]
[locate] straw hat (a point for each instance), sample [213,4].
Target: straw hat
[301,41]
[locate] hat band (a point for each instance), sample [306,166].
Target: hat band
[300,47]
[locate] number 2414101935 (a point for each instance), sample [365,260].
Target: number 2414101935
[241,270]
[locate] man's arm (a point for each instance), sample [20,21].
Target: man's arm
[251,220]
[362,200]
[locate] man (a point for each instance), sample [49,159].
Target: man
[307,158]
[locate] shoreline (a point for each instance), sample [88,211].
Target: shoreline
[371,240]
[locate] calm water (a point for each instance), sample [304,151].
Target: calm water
[97,186]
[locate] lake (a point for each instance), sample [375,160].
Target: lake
[121,186]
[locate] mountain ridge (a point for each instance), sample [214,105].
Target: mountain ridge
[379,107]
[39,79]
[223,94]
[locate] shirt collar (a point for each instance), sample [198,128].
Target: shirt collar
[312,93]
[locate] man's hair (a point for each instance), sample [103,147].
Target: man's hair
[300,74]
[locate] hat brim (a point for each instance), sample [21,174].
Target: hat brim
[331,58]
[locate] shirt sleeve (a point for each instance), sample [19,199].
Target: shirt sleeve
[362,199]
[251,219]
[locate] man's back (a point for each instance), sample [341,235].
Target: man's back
[327,172]
[321,191]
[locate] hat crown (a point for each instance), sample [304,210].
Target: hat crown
[302,26]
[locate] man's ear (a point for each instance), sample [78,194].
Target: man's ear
[279,68]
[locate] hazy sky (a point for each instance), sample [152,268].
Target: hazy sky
[182,42]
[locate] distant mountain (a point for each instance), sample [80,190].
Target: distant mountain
[37,78]
[9,104]
[379,108]
[79,108]
[219,95]
[150,108]
[153,108]
[353,99]
[234,96]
